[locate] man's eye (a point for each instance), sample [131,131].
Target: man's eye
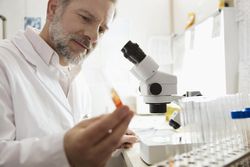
[86,19]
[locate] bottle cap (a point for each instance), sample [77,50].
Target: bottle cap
[247,109]
[247,114]
[174,124]
[238,115]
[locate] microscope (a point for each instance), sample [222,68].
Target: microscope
[157,88]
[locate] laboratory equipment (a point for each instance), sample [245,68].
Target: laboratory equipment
[159,147]
[157,88]
[173,116]
[111,91]
[214,132]
[220,138]
[3,18]
[116,98]
[240,158]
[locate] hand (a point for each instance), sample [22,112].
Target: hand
[91,142]
[128,139]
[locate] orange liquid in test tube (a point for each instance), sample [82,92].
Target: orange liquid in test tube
[116,99]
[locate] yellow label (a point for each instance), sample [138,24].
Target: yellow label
[172,111]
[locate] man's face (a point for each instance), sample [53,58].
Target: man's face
[76,29]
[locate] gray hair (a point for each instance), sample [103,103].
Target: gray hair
[64,3]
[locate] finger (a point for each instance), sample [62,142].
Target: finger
[104,157]
[129,139]
[130,132]
[87,122]
[97,130]
[105,149]
[127,145]
[112,140]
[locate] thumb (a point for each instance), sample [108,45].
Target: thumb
[131,139]
[85,123]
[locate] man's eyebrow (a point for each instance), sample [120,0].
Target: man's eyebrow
[88,13]
[92,17]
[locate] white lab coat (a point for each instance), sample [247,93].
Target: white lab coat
[34,111]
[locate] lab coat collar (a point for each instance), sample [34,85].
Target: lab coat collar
[48,55]
[46,75]
[39,45]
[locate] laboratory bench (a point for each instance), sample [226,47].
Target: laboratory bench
[132,157]
[153,125]
[143,125]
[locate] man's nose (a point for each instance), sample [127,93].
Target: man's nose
[93,35]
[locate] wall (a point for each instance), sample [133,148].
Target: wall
[202,8]
[16,10]
[204,55]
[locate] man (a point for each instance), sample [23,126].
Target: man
[42,96]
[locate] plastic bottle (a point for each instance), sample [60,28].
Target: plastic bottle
[172,115]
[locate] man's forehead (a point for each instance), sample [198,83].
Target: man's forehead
[67,1]
[99,10]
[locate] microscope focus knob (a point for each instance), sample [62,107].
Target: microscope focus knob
[155,88]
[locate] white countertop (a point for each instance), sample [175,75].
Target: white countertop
[144,126]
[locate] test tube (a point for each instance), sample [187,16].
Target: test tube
[116,99]
[114,95]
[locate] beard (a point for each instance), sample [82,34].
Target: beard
[60,41]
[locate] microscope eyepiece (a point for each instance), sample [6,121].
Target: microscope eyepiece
[133,52]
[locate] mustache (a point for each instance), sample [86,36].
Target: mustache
[83,40]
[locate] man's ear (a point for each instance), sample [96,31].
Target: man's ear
[51,9]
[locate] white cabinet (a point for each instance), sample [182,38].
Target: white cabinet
[206,56]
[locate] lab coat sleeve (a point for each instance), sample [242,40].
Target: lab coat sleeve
[30,152]
[39,152]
